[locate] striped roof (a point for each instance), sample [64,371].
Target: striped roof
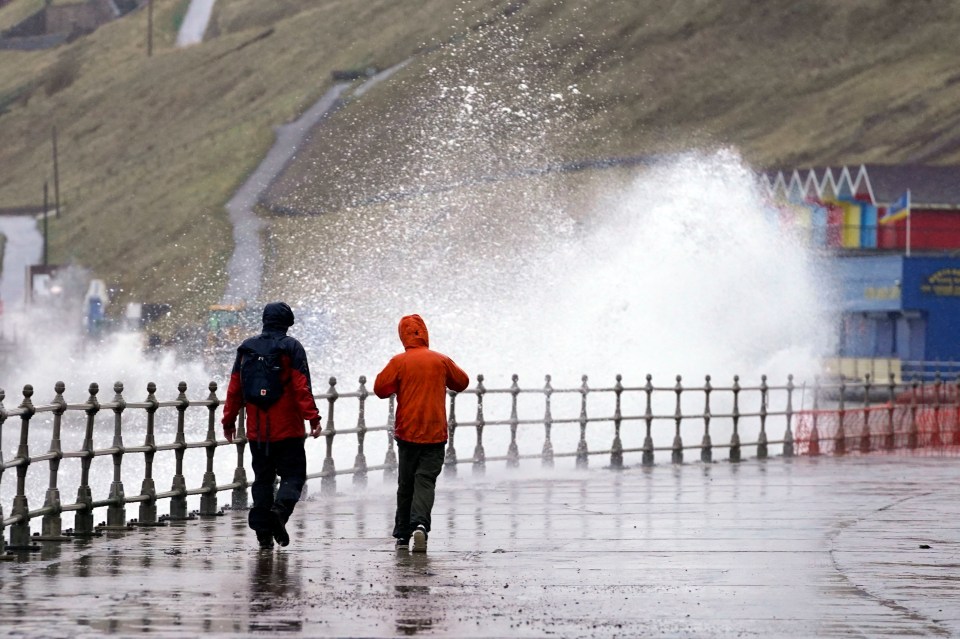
[880,184]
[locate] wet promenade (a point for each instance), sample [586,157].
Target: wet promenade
[866,546]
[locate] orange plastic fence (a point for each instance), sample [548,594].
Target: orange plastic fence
[922,428]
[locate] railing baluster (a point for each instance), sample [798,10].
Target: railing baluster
[889,438]
[52,523]
[360,463]
[513,453]
[116,511]
[677,452]
[208,500]
[912,431]
[20,531]
[450,456]
[788,436]
[865,444]
[840,440]
[178,503]
[582,457]
[4,556]
[390,461]
[328,479]
[735,437]
[479,455]
[956,413]
[546,456]
[616,450]
[83,520]
[764,398]
[814,432]
[706,445]
[148,508]
[240,499]
[936,440]
[648,419]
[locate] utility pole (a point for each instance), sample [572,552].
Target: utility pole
[149,28]
[56,175]
[45,232]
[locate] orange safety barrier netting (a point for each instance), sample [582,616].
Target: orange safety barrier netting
[922,428]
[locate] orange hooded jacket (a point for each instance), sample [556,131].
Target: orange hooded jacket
[419,377]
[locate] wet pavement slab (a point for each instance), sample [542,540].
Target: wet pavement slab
[861,546]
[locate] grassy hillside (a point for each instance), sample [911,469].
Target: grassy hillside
[151,148]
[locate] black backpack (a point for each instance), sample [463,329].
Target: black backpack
[260,371]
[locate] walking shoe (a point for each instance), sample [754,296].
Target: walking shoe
[265,539]
[420,539]
[278,530]
[403,544]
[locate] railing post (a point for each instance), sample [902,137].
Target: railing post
[4,556]
[889,440]
[148,508]
[178,503]
[936,440]
[52,526]
[240,497]
[582,458]
[83,519]
[735,437]
[840,443]
[450,456]
[513,453]
[647,459]
[390,461]
[706,445]
[547,454]
[865,431]
[814,432]
[20,531]
[117,511]
[328,478]
[360,463]
[616,450]
[677,453]
[762,450]
[479,455]
[208,500]
[912,436]
[956,413]
[788,436]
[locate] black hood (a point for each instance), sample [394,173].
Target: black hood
[277,316]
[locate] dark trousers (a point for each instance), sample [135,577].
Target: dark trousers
[287,459]
[420,464]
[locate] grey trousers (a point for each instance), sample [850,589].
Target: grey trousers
[419,467]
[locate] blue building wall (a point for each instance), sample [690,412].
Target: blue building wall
[931,285]
[900,307]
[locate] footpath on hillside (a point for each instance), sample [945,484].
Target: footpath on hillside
[860,546]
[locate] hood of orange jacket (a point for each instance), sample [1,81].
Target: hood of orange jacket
[413,332]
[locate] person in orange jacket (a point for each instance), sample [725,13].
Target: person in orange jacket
[275,432]
[419,378]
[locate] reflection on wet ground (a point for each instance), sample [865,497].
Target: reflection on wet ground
[800,548]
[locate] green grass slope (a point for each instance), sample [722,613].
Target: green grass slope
[152,148]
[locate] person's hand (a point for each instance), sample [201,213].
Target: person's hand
[230,431]
[315,428]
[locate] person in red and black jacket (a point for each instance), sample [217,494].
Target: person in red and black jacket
[276,434]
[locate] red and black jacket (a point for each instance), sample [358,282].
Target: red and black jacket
[283,419]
